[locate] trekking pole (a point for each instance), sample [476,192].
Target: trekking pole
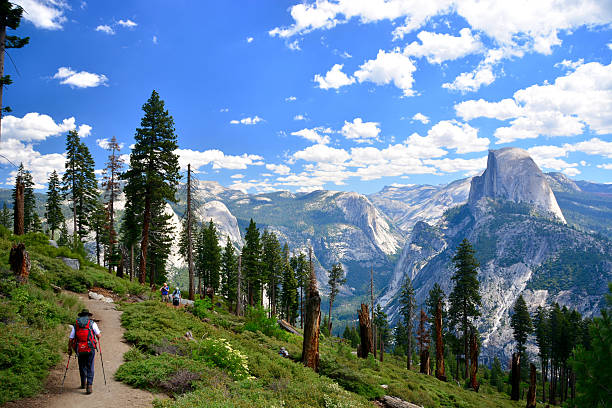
[66,372]
[102,361]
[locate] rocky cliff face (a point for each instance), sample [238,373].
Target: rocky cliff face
[521,249]
[512,175]
[407,205]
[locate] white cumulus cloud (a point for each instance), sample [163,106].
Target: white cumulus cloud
[247,121]
[360,131]
[80,79]
[421,118]
[105,29]
[218,159]
[314,135]
[334,78]
[34,126]
[389,67]
[127,23]
[438,48]
[45,14]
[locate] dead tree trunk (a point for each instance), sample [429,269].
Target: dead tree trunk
[440,372]
[474,362]
[19,260]
[516,376]
[531,394]
[310,346]
[365,332]
[424,361]
[18,209]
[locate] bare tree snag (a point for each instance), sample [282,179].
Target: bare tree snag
[531,394]
[440,372]
[310,346]
[19,260]
[474,362]
[365,332]
[516,376]
[18,209]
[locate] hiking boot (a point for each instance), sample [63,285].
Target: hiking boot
[89,389]
[82,385]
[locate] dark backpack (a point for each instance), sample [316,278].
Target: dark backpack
[84,335]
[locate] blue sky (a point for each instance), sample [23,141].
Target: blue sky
[335,94]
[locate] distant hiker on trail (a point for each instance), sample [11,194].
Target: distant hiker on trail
[176,296]
[283,352]
[165,292]
[83,340]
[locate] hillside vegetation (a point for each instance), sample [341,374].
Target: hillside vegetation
[232,362]
[33,317]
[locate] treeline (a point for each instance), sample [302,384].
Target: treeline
[575,359]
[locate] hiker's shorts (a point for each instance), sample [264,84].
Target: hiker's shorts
[86,367]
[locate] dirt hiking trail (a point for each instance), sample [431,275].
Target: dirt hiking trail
[114,394]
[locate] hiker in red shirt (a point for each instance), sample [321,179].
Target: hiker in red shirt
[83,340]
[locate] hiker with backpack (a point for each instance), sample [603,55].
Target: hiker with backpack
[176,296]
[165,293]
[84,339]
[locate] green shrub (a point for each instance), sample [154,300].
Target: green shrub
[219,353]
[201,308]
[257,320]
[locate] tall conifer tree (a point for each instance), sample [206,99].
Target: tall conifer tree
[465,298]
[520,321]
[10,17]
[272,267]
[408,311]
[29,200]
[112,188]
[53,212]
[5,216]
[251,264]
[154,168]
[289,296]
[229,272]
[335,281]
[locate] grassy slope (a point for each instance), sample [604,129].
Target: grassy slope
[162,360]
[33,318]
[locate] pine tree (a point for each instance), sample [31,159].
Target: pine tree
[272,267]
[154,168]
[407,310]
[161,236]
[10,17]
[229,272]
[382,329]
[423,338]
[53,213]
[289,297]
[79,184]
[520,321]
[594,364]
[542,333]
[465,298]
[212,256]
[112,188]
[301,269]
[29,200]
[251,264]
[131,226]
[63,240]
[335,281]
[5,216]
[98,222]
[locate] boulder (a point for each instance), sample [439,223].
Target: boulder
[97,296]
[71,262]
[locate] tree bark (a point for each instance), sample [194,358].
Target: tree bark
[440,372]
[515,376]
[474,362]
[2,45]
[144,244]
[310,346]
[239,288]
[189,242]
[18,209]
[19,260]
[424,368]
[365,332]
[531,394]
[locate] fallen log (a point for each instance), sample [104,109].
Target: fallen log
[388,401]
[288,327]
